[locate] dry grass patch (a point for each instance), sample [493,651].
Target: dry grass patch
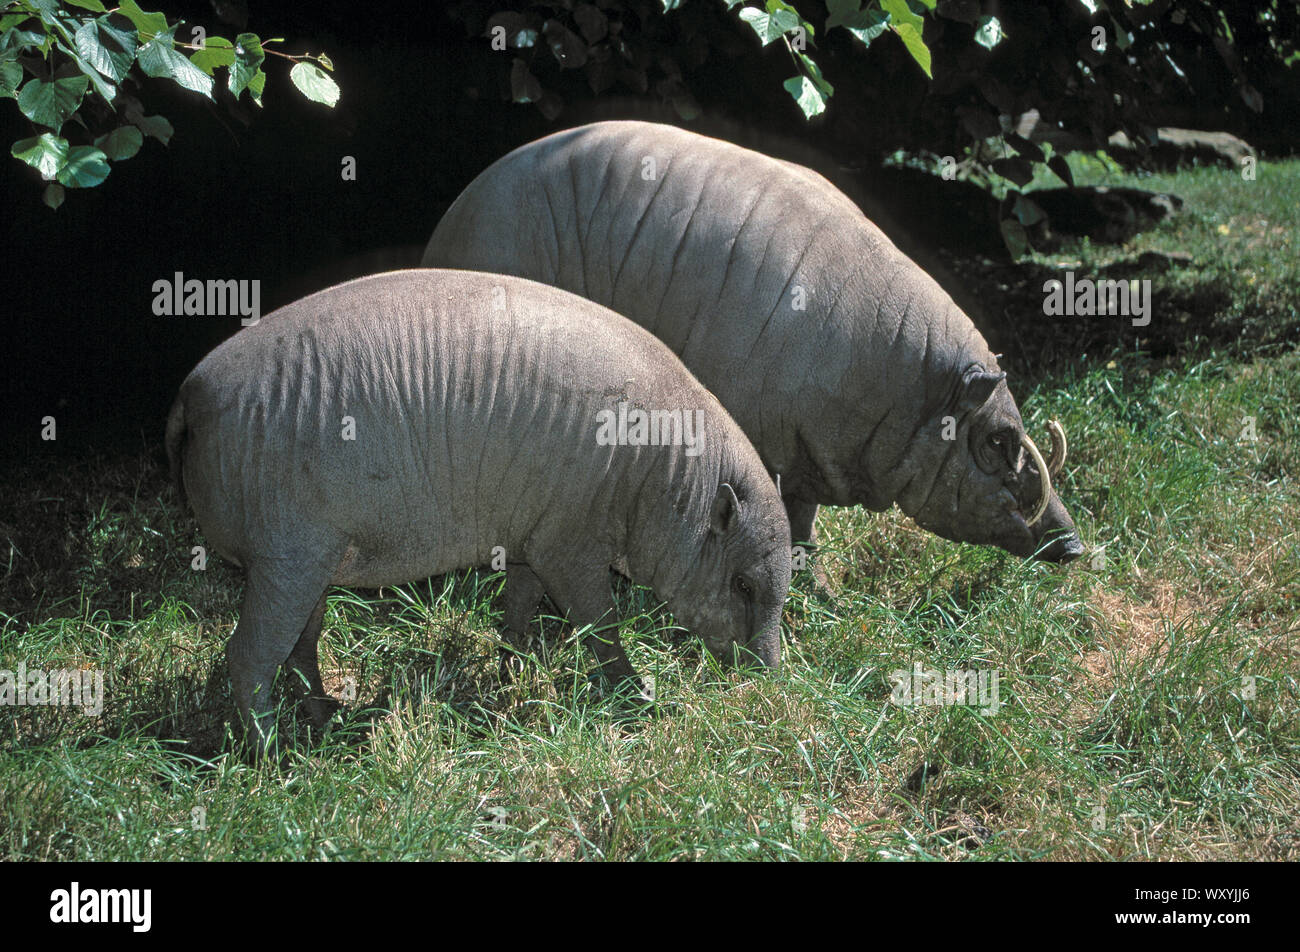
[1134,634]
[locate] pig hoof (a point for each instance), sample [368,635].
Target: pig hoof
[631,691]
[319,710]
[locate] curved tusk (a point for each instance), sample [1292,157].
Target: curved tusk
[1056,458]
[1042,475]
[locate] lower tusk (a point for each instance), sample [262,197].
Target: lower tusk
[1042,475]
[1056,458]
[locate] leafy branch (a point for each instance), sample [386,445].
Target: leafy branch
[777,19]
[64,65]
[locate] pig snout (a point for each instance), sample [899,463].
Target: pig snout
[1057,530]
[763,650]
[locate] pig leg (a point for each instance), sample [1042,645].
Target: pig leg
[803,521]
[280,599]
[524,591]
[581,591]
[303,668]
[803,532]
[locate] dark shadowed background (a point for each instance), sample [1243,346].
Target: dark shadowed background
[245,193]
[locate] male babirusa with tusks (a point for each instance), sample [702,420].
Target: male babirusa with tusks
[838,356]
[989,483]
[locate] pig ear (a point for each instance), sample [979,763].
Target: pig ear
[977,385]
[726,510]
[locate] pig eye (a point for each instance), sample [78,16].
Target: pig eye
[743,587]
[996,450]
[1001,441]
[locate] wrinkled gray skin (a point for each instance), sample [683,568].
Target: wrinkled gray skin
[709,249]
[475,427]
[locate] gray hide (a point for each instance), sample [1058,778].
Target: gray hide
[844,362]
[474,400]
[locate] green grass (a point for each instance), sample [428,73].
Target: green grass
[1150,700]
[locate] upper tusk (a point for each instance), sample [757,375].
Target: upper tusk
[1042,475]
[1056,458]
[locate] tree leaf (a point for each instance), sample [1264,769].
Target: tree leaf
[249,57]
[769,26]
[776,6]
[911,38]
[53,195]
[866,24]
[157,58]
[86,167]
[47,9]
[807,95]
[815,74]
[217,52]
[314,83]
[256,85]
[988,32]
[909,27]
[94,6]
[148,25]
[1027,211]
[108,49]
[901,15]
[104,89]
[122,143]
[1016,169]
[1024,147]
[1058,165]
[11,74]
[25,39]
[1014,237]
[877,23]
[157,126]
[46,153]
[50,103]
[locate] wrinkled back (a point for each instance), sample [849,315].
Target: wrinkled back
[473,405]
[795,310]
